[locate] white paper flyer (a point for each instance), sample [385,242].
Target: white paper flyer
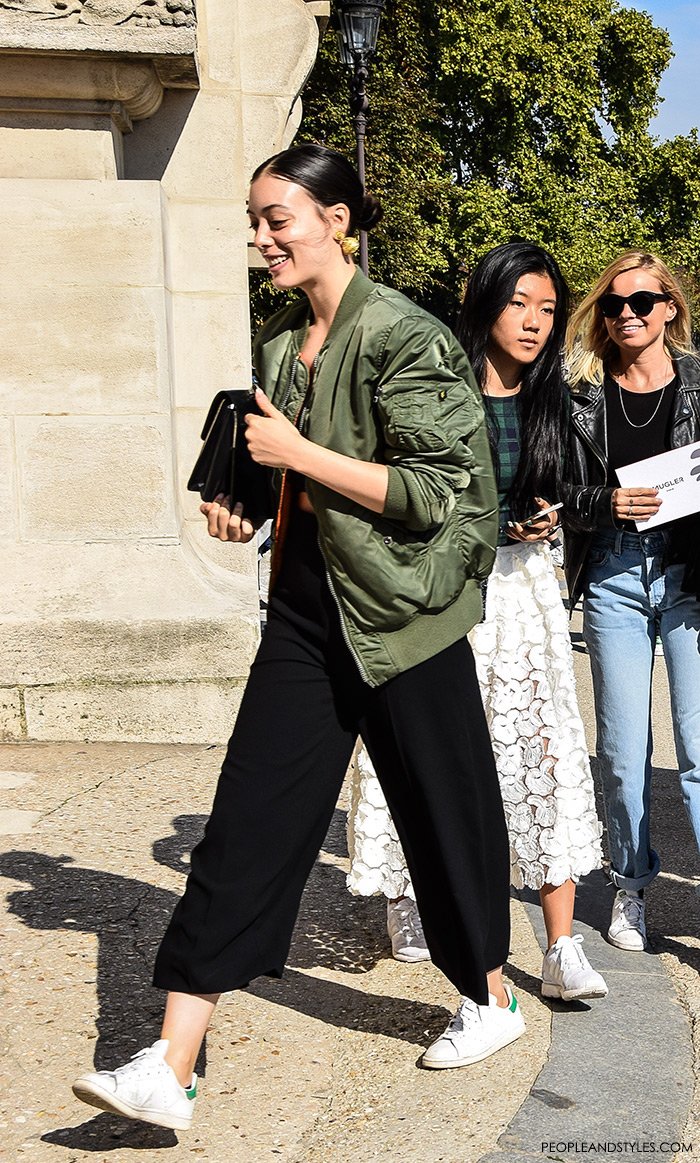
[676,474]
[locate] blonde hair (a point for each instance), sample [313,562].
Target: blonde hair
[589,348]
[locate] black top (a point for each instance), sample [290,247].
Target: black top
[638,424]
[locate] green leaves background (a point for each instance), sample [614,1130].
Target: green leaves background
[494,119]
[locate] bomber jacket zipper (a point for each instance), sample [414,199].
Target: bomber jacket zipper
[288,390]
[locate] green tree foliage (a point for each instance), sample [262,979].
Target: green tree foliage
[414,247]
[513,118]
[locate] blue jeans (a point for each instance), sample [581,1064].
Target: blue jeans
[629,597]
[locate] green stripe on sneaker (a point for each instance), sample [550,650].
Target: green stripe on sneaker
[513,1005]
[191,1091]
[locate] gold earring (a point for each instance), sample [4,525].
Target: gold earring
[349,246]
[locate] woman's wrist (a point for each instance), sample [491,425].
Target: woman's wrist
[305,457]
[363,481]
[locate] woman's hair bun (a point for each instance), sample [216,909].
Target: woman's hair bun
[371,212]
[328,177]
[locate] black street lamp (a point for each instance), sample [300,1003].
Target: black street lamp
[357,39]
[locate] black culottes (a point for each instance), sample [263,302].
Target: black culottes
[303,707]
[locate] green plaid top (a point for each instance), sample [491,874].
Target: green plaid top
[504,413]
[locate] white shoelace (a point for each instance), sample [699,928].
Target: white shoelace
[409,925]
[467,1015]
[570,952]
[135,1063]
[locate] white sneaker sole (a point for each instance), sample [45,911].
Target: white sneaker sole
[410,957]
[551,989]
[620,943]
[94,1095]
[505,1040]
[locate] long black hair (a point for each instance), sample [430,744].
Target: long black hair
[328,177]
[543,398]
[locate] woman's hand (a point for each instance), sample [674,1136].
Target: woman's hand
[635,504]
[225,523]
[273,441]
[272,438]
[538,530]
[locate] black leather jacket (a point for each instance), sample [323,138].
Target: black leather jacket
[588,501]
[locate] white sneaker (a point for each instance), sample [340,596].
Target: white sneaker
[627,928]
[567,973]
[405,929]
[145,1088]
[475,1032]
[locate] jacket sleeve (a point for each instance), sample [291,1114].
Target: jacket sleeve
[432,421]
[587,508]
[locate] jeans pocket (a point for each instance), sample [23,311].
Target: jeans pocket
[598,557]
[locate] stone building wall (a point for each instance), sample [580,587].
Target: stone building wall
[127,133]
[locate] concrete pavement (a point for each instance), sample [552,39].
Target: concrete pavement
[320,1067]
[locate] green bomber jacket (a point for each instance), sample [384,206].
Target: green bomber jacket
[392,385]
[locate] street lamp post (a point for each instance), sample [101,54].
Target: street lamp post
[358,32]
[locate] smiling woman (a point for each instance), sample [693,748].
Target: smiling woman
[290,234]
[373,432]
[636,394]
[295,234]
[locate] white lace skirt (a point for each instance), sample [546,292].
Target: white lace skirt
[525,667]
[376,857]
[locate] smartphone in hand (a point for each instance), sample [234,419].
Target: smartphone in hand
[537,516]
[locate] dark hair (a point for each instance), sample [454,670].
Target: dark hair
[543,402]
[328,177]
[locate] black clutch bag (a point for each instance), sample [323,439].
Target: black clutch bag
[224,465]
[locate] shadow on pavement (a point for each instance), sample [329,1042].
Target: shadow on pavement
[127,916]
[340,1005]
[108,1133]
[674,897]
[334,931]
[522,980]
[174,851]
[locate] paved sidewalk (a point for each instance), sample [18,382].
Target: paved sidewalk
[320,1067]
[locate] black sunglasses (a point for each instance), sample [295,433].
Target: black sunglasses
[642,303]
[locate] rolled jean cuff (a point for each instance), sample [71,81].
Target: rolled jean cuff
[636,883]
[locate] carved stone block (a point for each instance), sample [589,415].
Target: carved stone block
[180,13]
[71,65]
[160,32]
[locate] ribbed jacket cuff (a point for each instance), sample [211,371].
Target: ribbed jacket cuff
[397,503]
